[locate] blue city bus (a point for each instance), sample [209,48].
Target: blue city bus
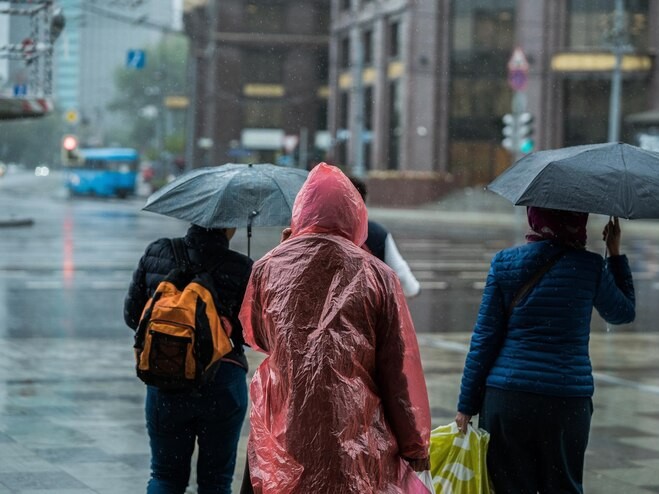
[104,172]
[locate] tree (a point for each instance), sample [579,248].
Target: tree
[31,141]
[142,93]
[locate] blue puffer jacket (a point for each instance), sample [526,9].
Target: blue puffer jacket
[544,346]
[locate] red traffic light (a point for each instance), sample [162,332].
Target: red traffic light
[70,143]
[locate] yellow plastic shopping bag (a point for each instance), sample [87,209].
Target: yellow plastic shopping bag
[457,460]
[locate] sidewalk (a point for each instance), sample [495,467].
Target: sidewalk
[480,208]
[72,421]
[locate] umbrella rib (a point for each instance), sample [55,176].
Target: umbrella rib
[274,179]
[626,207]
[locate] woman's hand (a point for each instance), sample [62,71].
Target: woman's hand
[286,232]
[418,465]
[463,421]
[611,235]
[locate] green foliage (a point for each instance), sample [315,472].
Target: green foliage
[163,75]
[175,143]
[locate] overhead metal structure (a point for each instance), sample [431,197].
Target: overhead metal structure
[46,22]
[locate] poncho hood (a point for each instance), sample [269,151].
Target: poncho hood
[329,203]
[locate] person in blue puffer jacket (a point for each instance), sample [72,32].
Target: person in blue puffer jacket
[528,373]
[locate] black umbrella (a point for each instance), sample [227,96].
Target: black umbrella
[614,179]
[231,195]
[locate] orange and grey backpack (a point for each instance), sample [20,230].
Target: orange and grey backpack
[180,336]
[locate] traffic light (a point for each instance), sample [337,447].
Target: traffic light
[518,132]
[70,154]
[509,131]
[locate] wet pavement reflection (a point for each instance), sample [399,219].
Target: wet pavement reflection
[71,408]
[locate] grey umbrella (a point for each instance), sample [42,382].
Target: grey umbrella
[231,195]
[613,179]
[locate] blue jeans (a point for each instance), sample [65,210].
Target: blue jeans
[214,417]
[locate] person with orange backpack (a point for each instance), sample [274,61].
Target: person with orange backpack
[209,406]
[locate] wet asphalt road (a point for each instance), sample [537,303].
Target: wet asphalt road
[66,275]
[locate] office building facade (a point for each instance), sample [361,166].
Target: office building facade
[419,87]
[258,80]
[93,46]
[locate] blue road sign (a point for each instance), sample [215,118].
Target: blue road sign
[20,90]
[136,59]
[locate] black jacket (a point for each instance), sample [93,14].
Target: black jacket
[205,248]
[375,241]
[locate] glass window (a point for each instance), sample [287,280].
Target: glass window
[591,23]
[344,109]
[263,113]
[586,114]
[321,115]
[483,39]
[322,22]
[394,39]
[263,66]
[369,103]
[345,52]
[264,17]
[367,46]
[395,115]
[322,66]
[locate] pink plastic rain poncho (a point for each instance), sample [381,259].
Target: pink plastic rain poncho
[341,396]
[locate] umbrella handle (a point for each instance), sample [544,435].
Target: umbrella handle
[250,217]
[606,247]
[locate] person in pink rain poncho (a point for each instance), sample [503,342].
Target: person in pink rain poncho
[340,404]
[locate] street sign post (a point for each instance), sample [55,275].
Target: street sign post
[518,70]
[136,59]
[518,125]
[20,90]
[71,116]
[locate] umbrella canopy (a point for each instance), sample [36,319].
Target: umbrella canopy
[613,179]
[231,195]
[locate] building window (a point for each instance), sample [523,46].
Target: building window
[369,103]
[321,115]
[322,66]
[345,52]
[394,39]
[264,66]
[322,21]
[261,18]
[591,23]
[264,113]
[345,4]
[483,39]
[395,122]
[344,109]
[367,47]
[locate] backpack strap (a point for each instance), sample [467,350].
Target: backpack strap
[532,281]
[180,253]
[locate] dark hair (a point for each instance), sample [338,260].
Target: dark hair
[360,185]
